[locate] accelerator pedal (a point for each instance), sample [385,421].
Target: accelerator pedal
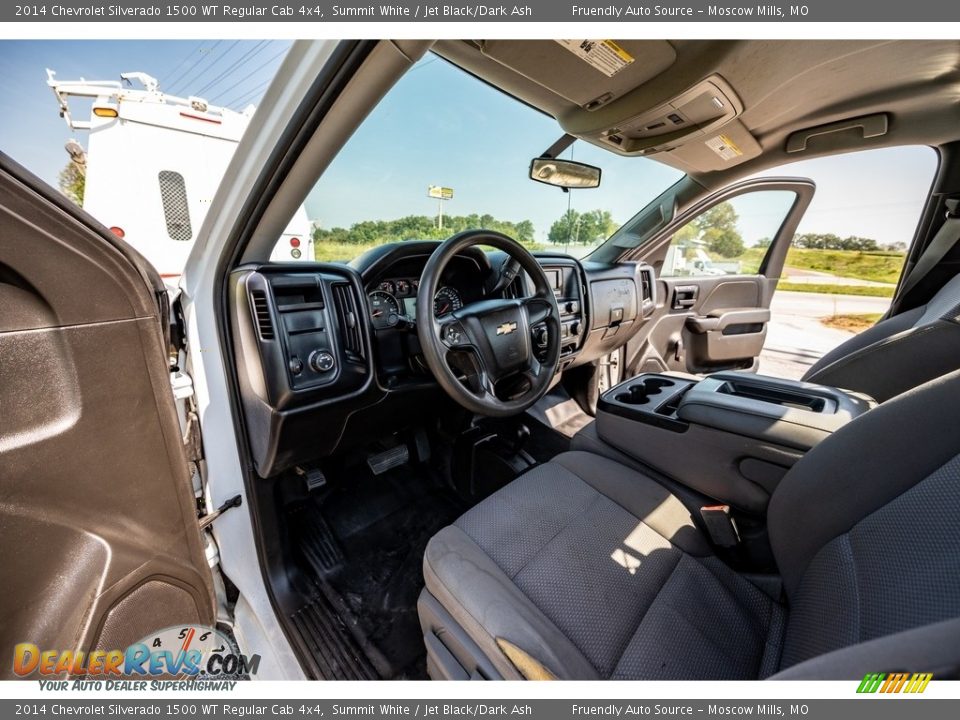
[388,459]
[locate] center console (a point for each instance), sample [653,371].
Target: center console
[731,436]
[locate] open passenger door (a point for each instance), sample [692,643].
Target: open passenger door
[717,265]
[99,539]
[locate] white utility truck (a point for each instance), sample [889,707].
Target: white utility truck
[153,163]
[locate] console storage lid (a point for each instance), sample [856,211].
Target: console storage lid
[786,412]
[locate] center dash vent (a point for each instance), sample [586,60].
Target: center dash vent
[349,321]
[261,309]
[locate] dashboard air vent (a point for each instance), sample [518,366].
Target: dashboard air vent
[349,321]
[648,284]
[261,309]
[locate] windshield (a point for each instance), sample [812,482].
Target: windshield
[444,152]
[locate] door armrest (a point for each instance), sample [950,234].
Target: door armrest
[720,320]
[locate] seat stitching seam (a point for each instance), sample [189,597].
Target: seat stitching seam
[856,585]
[630,512]
[643,616]
[573,517]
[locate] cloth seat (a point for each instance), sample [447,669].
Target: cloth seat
[593,570]
[897,353]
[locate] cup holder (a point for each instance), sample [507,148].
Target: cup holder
[641,392]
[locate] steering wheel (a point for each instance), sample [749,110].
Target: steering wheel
[490,341]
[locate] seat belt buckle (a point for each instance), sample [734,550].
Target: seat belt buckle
[721,527]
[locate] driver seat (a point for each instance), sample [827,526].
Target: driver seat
[582,568]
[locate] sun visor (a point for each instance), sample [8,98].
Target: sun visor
[695,115]
[588,73]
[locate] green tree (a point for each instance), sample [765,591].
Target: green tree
[72,181]
[586,228]
[829,241]
[421,227]
[564,230]
[724,242]
[525,231]
[720,217]
[717,229]
[595,226]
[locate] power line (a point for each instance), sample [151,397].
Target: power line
[251,74]
[251,53]
[198,71]
[210,67]
[185,58]
[249,95]
[188,69]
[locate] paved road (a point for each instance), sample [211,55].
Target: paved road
[795,336]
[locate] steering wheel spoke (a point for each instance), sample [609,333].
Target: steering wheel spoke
[453,333]
[533,372]
[476,378]
[538,309]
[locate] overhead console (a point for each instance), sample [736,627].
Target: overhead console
[301,344]
[704,108]
[731,436]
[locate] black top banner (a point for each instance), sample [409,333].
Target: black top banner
[893,11]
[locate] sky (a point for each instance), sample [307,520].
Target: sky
[438,126]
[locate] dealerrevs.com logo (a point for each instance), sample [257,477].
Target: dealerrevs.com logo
[891,683]
[190,652]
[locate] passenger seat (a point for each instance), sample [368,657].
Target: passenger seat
[898,353]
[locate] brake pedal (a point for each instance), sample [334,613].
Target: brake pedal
[381,462]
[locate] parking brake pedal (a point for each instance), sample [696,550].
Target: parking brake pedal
[388,459]
[312,477]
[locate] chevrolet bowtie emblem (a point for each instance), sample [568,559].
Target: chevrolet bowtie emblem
[506,328]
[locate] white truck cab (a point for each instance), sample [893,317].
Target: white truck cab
[153,163]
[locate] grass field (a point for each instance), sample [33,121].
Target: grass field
[875,266]
[853,323]
[830,289]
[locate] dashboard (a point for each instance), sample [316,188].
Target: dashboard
[327,352]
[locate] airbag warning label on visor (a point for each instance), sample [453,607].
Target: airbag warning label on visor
[604,55]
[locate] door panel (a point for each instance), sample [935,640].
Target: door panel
[99,542]
[714,285]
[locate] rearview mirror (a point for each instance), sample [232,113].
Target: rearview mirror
[564,173]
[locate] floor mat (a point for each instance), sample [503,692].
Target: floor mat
[336,651]
[364,540]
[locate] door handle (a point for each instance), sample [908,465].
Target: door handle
[685,296]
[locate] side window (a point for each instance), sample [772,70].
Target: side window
[176,212]
[731,238]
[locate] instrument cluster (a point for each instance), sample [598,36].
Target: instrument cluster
[396,298]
